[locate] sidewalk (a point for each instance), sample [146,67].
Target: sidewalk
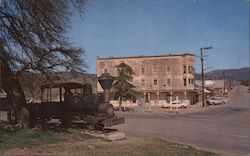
[158,110]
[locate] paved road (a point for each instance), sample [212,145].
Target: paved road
[224,129]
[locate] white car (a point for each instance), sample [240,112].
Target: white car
[179,104]
[224,98]
[215,101]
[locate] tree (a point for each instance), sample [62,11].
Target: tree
[122,85]
[32,39]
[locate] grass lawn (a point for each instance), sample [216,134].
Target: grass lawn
[63,142]
[150,147]
[27,138]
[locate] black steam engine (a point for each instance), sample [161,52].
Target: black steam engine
[74,103]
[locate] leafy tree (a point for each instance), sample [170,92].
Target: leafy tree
[122,85]
[32,39]
[245,82]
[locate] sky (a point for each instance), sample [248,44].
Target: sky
[121,28]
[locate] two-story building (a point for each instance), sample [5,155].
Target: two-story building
[163,77]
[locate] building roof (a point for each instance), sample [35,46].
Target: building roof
[218,83]
[211,83]
[207,83]
[143,56]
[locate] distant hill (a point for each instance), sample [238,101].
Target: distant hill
[234,74]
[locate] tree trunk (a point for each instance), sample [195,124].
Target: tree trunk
[15,94]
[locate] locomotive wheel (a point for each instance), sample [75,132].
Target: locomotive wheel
[95,126]
[107,109]
[99,126]
[110,110]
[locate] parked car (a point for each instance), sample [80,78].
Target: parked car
[164,103]
[179,104]
[224,98]
[215,101]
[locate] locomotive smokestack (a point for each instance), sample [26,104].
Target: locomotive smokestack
[106,81]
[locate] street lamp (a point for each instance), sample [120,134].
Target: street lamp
[202,74]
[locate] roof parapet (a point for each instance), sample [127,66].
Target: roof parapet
[143,56]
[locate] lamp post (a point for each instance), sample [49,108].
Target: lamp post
[224,82]
[106,81]
[202,74]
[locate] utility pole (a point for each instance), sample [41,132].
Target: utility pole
[224,82]
[1,84]
[0,75]
[202,75]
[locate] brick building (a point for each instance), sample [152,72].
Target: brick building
[163,77]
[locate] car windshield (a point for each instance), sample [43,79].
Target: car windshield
[215,98]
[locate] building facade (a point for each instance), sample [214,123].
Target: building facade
[164,77]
